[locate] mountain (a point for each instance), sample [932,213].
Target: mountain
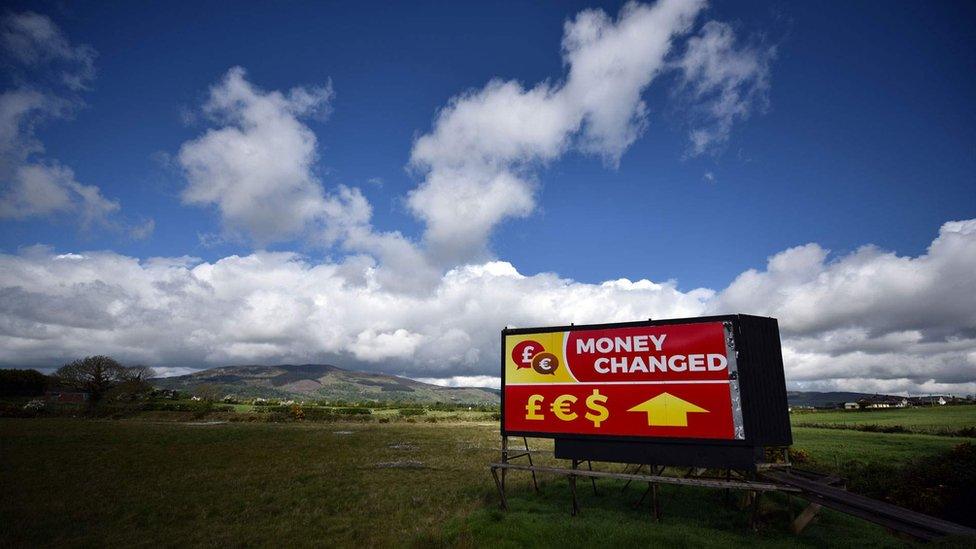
[328,382]
[322,382]
[819,400]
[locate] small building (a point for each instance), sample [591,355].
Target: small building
[935,400]
[877,402]
[851,406]
[799,408]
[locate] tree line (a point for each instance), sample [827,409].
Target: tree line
[93,375]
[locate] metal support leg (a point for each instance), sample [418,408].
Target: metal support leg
[501,488]
[652,489]
[504,459]
[529,455]
[637,470]
[572,487]
[643,496]
[728,493]
[655,503]
[805,518]
[592,479]
[756,502]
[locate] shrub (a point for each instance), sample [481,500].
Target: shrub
[296,412]
[939,485]
[799,456]
[315,413]
[175,406]
[35,406]
[966,432]
[10,409]
[169,394]
[410,412]
[353,411]
[276,417]
[872,428]
[203,410]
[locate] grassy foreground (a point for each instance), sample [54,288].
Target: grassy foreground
[99,483]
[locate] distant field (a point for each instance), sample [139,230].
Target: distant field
[830,449]
[932,420]
[129,482]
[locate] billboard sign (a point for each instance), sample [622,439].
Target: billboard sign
[671,381]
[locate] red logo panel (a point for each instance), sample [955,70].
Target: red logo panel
[658,381]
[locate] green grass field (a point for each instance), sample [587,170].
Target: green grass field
[931,420]
[96,483]
[832,449]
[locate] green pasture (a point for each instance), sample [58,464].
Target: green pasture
[77,482]
[833,449]
[932,420]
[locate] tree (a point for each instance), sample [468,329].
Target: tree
[134,384]
[207,392]
[97,374]
[141,373]
[22,382]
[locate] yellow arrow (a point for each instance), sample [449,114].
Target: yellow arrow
[667,410]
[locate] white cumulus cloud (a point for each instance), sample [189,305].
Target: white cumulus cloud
[493,382]
[31,39]
[478,159]
[47,71]
[478,163]
[903,322]
[273,307]
[726,80]
[869,320]
[257,167]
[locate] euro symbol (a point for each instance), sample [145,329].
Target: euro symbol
[598,412]
[545,363]
[561,405]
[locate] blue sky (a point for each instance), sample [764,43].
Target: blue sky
[857,127]
[868,136]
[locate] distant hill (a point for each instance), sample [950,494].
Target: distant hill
[328,382]
[815,399]
[325,382]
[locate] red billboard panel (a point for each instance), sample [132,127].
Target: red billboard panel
[653,381]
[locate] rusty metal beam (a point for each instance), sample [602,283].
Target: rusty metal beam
[705,483]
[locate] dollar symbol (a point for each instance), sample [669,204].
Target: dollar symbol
[595,403]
